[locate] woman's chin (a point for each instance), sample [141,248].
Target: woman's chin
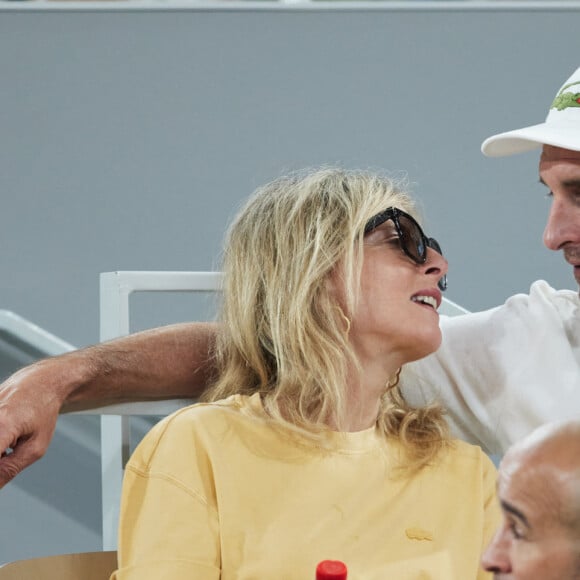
[426,347]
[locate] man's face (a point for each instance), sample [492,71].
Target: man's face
[560,172]
[535,540]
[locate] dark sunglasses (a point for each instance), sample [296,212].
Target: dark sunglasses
[413,241]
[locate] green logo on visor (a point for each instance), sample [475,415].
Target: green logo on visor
[565,100]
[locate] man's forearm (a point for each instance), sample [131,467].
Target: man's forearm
[166,362]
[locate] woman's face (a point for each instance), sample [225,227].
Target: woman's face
[396,314]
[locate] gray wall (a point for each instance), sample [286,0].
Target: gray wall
[128,138]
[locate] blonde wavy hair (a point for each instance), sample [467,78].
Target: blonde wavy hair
[283,333]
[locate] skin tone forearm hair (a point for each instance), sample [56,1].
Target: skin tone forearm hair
[162,363]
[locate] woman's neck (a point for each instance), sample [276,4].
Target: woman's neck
[364,393]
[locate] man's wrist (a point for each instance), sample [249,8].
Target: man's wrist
[70,374]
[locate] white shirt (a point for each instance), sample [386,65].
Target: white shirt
[502,372]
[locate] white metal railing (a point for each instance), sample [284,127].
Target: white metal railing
[31,335]
[115,293]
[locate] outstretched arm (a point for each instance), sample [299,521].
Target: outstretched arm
[162,363]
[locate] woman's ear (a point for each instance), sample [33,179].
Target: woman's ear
[334,284]
[336,290]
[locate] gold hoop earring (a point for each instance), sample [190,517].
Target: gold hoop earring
[345,318]
[393,382]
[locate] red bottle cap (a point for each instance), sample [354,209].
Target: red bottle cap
[331,570]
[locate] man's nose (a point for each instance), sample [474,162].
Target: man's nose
[563,225]
[496,556]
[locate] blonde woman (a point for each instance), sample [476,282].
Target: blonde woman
[305,449]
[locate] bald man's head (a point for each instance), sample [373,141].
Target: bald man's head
[538,488]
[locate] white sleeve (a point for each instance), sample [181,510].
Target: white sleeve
[502,372]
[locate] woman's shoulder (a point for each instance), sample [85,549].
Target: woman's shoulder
[462,456]
[199,416]
[192,428]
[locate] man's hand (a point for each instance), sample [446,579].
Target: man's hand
[29,407]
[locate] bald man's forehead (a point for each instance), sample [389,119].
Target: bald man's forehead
[536,487]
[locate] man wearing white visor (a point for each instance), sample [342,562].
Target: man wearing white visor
[503,372]
[500,373]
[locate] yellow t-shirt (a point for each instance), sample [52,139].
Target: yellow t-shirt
[213,492]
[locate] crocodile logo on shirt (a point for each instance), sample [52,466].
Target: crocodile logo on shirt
[566,100]
[416,533]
